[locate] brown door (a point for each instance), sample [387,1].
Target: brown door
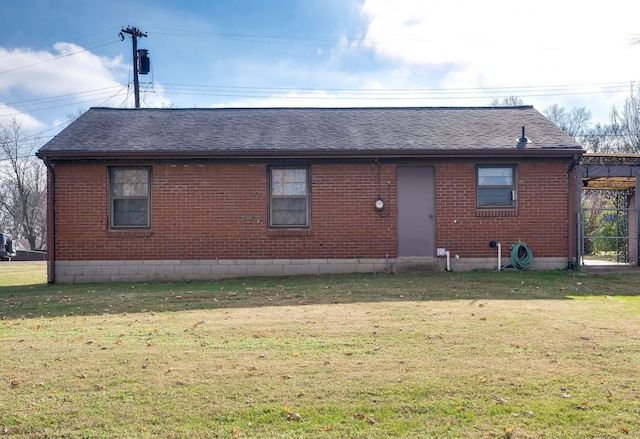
[416,211]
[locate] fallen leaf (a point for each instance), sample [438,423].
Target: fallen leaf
[583,406]
[369,420]
[291,416]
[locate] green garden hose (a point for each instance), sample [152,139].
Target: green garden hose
[521,256]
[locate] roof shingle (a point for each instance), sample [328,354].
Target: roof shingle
[287,131]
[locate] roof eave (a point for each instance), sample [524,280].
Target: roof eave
[181,155]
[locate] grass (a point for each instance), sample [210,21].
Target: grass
[469,355]
[23,273]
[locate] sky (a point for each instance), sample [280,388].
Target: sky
[58,58]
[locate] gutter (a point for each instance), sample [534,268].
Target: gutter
[51,223]
[306,154]
[572,248]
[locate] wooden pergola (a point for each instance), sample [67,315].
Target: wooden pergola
[608,171]
[613,172]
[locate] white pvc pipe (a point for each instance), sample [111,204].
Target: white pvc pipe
[448,260]
[499,256]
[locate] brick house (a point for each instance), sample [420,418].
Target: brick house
[144,194]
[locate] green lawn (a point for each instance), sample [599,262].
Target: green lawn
[471,355]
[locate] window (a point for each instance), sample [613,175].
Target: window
[129,197]
[289,197]
[495,187]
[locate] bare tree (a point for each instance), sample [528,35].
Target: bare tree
[509,101]
[627,122]
[22,186]
[602,139]
[575,122]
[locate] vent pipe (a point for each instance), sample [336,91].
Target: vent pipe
[523,140]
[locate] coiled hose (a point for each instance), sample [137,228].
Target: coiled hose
[521,256]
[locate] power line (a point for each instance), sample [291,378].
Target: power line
[268,39]
[393,94]
[346,94]
[55,58]
[101,97]
[61,97]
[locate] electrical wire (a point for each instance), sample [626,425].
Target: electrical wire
[56,58]
[102,98]
[394,94]
[49,99]
[345,94]
[265,39]
[174,89]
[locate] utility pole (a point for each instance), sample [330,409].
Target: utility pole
[135,34]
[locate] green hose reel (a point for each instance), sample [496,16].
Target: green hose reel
[521,256]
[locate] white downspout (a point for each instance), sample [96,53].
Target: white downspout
[448,253]
[499,256]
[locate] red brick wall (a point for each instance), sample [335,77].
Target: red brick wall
[220,211]
[540,220]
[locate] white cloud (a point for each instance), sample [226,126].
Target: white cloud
[39,83]
[504,43]
[312,98]
[36,83]
[67,69]
[27,122]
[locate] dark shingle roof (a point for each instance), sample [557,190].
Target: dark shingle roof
[304,131]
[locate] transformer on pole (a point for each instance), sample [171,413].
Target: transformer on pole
[137,61]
